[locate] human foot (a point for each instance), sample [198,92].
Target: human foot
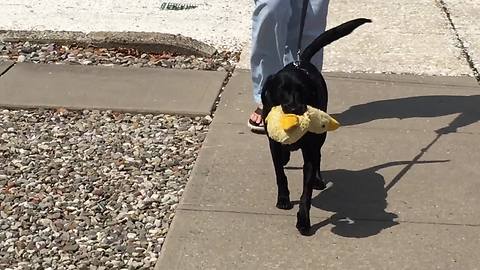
[255,123]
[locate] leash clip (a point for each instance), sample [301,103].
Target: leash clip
[297,62]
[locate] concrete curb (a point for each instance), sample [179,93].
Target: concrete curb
[144,41]
[245,56]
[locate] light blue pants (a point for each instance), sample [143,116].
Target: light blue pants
[275,30]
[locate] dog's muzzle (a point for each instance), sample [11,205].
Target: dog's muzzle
[294,109]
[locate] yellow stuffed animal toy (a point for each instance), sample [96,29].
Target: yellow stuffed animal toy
[289,128]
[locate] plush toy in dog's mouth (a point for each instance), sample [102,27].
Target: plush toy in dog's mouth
[289,128]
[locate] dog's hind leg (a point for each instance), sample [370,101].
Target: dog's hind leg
[283,199]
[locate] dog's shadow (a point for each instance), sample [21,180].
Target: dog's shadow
[358,200]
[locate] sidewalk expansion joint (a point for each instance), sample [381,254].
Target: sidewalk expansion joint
[376,80]
[461,43]
[7,69]
[355,127]
[186,209]
[222,89]
[404,129]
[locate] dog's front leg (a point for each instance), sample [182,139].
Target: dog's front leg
[310,167]
[283,198]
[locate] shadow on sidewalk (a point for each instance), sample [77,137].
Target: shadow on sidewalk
[358,200]
[415,107]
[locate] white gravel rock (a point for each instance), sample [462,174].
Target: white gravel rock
[124,57]
[99,197]
[21,58]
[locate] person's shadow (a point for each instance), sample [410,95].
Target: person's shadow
[359,198]
[415,107]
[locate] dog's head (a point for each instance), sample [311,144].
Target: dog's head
[290,88]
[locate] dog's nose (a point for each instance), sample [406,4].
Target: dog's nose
[294,109]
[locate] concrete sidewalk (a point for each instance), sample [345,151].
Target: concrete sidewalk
[408,37]
[405,173]
[209,21]
[147,90]
[436,37]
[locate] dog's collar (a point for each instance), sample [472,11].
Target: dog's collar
[298,66]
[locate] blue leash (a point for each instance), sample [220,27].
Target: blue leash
[300,34]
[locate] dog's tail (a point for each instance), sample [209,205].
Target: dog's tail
[330,36]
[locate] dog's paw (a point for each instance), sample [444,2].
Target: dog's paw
[284,203]
[319,184]
[303,225]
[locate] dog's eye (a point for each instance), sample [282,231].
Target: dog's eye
[323,126]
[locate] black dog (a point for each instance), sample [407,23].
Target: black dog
[294,87]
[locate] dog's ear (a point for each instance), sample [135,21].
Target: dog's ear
[268,92]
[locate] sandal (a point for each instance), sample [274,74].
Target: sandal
[256,127]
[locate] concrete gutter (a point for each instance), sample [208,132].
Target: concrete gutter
[143,41]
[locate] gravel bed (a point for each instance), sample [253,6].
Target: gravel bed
[91,189]
[72,54]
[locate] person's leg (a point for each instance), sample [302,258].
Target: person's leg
[269,34]
[315,23]
[314,26]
